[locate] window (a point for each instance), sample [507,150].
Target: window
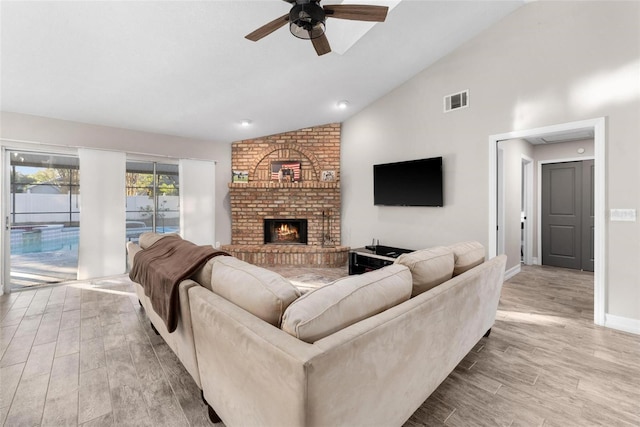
[153,198]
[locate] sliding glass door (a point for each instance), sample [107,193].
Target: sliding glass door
[43,218]
[153,198]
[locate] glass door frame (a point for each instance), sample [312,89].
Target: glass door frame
[7,146]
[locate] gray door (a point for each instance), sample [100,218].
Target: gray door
[567,215]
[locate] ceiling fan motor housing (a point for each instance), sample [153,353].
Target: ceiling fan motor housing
[307,20]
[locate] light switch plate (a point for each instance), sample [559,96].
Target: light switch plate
[623,215]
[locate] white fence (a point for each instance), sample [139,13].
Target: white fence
[56,208]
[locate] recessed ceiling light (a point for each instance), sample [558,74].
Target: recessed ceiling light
[245,123]
[342,105]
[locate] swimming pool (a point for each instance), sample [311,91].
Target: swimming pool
[56,237]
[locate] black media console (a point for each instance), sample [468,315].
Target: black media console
[373,257]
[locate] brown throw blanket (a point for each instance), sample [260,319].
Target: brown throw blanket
[162,266]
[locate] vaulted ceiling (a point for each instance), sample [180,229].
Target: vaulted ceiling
[184,67]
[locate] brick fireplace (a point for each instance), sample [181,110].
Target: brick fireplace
[292,177]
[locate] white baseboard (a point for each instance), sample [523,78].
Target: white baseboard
[534,261]
[620,323]
[508,274]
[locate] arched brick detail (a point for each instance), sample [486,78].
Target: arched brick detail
[315,163]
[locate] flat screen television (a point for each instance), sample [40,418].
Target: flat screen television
[410,183]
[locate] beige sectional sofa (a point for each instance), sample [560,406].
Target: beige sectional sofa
[364,350]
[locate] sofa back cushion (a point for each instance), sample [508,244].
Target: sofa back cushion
[203,274]
[149,238]
[466,256]
[261,292]
[346,301]
[429,267]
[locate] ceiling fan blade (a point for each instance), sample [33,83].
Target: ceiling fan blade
[267,29]
[357,12]
[321,44]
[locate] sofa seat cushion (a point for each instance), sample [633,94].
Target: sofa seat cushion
[429,267]
[346,301]
[466,256]
[261,292]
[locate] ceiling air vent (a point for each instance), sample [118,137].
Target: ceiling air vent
[456,101]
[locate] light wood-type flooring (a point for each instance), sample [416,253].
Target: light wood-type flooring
[84,354]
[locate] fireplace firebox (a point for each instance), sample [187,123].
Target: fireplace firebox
[285,231]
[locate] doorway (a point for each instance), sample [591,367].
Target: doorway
[567,214]
[597,128]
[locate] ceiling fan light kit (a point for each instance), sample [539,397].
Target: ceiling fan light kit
[307,20]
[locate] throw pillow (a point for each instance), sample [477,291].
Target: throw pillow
[346,301]
[261,292]
[466,256]
[429,267]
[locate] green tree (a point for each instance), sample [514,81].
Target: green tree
[139,184]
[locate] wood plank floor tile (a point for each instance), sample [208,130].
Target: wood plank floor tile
[6,335]
[90,328]
[23,300]
[120,368]
[18,349]
[68,341]
[28,324]
[9,379]
[40,360]
[49,327]
[3,414]
[163,406]
[28,402]
[128,405]
[13,316]
[113,336]
[61,410]
[92,354]
[65,376]
[184,388]
[94,395]
[72,303]
[147,366]
[545,363]
[70,319]
[105,420]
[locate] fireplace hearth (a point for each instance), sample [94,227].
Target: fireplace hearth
[285,231]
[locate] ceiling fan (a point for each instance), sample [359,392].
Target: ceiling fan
[306,20]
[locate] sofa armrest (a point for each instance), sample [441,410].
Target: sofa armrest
[132,250]
[252,373]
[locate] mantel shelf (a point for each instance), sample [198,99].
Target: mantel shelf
[277,185]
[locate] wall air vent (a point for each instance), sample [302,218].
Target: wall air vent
[456,101]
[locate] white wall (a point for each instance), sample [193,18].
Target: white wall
[42,130]
[546,63]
